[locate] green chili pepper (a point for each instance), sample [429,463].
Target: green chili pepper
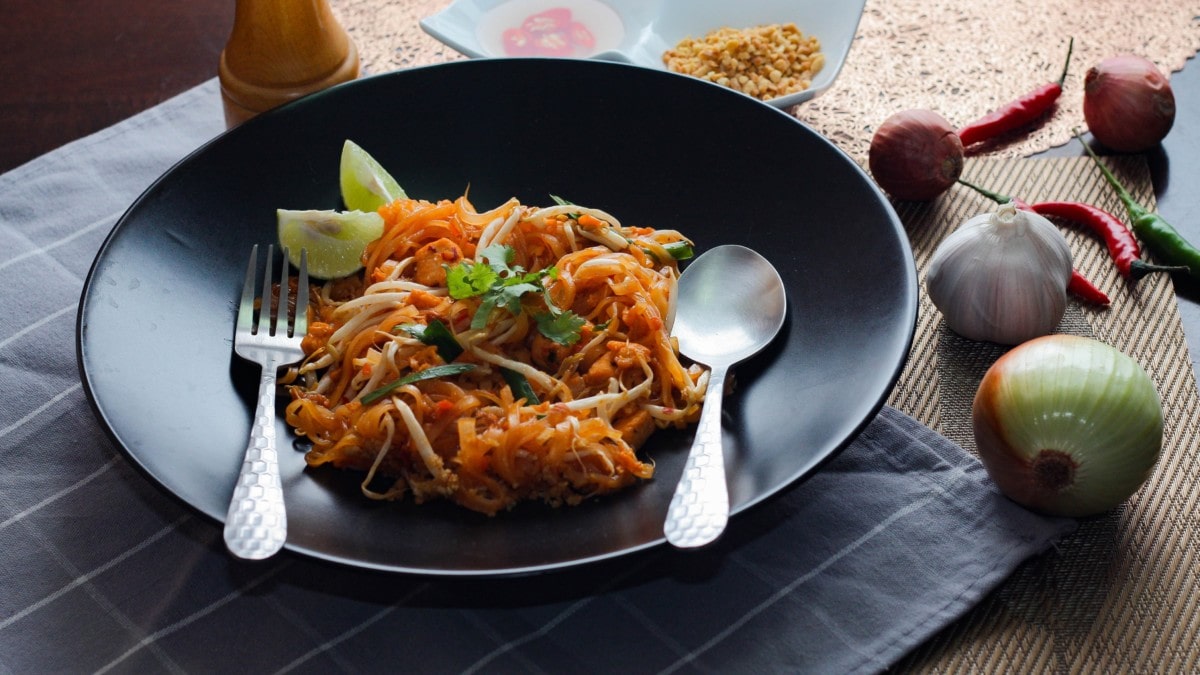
[1158,234]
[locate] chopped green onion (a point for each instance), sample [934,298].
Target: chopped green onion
[680,250]
[437,335]
[427,374]
[574,215]
[519,385]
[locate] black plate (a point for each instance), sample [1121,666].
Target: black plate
[652,148]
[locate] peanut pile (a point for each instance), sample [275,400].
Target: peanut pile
[764,61]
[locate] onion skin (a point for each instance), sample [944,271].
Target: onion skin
[1128,103]
[1067,425]
[915,155]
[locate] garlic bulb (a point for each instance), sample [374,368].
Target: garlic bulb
[1001,277]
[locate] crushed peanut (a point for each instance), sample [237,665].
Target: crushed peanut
[765,61]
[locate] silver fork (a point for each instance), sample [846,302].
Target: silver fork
[256,525]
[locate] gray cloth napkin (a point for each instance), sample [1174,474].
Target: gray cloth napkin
[102,571]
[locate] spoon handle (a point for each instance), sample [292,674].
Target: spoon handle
[700,507]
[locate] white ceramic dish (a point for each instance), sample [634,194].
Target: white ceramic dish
[639,31]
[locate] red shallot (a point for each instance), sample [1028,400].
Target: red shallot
[1128,103]
[915,155]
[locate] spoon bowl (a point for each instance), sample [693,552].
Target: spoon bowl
[731,303]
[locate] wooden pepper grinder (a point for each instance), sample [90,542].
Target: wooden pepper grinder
[280,50]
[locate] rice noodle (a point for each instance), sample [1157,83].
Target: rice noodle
[467,436]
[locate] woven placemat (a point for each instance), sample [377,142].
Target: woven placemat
[1116,596]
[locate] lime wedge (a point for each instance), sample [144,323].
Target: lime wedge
[366,185]
[335,240]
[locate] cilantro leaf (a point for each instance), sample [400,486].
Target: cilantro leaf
[470,279]
[499,257]
[509,297]
[561,327]
[497,282]
[480,319]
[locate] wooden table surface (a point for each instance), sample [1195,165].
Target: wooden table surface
[71,69]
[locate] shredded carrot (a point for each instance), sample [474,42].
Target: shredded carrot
[588,220]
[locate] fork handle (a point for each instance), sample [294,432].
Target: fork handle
[699,509]
[256,525]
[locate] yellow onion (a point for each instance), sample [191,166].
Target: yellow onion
[1067,425]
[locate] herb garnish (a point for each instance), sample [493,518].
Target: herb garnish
[680,250]
[427,374]
[501,284]
[519,385]
[561,327]
[437,335]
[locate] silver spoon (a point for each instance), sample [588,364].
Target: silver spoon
[731,304]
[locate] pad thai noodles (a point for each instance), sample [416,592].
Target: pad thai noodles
[518,354]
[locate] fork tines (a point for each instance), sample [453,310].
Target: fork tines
[258,321]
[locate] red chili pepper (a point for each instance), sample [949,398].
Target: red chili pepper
[1121,243]
[518,43]
[1079,285]
[548,33]
[1083,289]
[1017,113]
